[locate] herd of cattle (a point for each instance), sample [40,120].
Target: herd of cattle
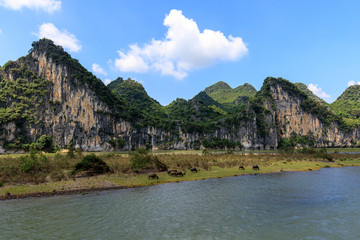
[177,173]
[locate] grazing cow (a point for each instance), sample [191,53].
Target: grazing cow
[170,172]
[177,174]
[256,167]
[241,167]
[153,176]
[193,170]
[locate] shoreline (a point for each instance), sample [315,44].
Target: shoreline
[115,182]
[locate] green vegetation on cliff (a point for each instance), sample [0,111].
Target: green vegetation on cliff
[305,89]
[135,95]
[115,83]
[348,104]
[142,109]
[25,93]
[194,115]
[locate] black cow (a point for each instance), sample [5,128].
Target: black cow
[241,167]
[194,170]
[153,176]
[256,167]
[177,174]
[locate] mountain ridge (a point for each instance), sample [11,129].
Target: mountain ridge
[47,92]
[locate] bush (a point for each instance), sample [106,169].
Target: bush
[158,164]
[33,163]
[322,153]
[91,163]
[70,153]
[141,159]
[45,142]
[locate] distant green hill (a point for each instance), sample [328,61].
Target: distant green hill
[244,92]
[198,114]
[144,110]
[348,104]
[305,89]
[134,93]
[224,94]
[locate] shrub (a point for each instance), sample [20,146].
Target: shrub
[205,152]
[322,153]
[70,153]
[160,166]
[141,159]
[91,163]
[45,142]
[33,162]
[117,143]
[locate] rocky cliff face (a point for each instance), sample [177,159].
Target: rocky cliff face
[290,118]
[70,113]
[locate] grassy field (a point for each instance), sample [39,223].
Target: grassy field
[54,175]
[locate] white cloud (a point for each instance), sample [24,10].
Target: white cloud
[318,91]
[184,48]
[132,61]
[0,31]
[96,68]
[352,83]
[46,5]
[60,37]
[107,81]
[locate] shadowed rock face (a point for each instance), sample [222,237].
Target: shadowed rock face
[71,109]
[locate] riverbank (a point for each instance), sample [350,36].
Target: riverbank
[210,166]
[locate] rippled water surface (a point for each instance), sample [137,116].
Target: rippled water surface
[321,204]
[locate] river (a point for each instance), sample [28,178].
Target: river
[321,204]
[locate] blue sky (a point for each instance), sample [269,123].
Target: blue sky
[177,48]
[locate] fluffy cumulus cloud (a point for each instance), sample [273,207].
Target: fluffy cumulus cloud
[352,83]
[184,48]
[60,37]
[46,5]
[97,69]
[318,91]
